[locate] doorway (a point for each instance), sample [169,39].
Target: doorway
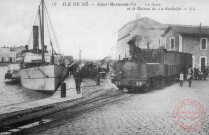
[202,62]
[10,59]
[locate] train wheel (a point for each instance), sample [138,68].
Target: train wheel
[169,81]
[163,83]
[120,88]
[147,86]
[159,83]
[146,89]
[152,83]
[126,90]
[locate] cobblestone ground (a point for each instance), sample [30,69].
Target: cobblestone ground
[149,113]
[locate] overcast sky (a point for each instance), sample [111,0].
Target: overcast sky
[93,29]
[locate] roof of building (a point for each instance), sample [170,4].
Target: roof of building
[189,30]
[144,22]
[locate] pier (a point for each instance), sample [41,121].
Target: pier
[17,117]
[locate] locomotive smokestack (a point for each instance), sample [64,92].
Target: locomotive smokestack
[35,39]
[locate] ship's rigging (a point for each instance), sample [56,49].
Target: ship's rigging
[39,68]
[43,19]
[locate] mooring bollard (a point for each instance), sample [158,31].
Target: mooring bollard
[98,79]
[63,89]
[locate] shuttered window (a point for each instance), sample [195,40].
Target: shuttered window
[172,43]
[203,44]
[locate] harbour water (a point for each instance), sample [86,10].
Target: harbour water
[11,93]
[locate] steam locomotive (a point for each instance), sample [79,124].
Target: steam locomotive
[148,68]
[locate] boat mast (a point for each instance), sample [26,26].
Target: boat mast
[39,13]
[42,30]
[52,52]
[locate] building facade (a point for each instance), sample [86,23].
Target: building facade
[5,55]
[10,54]
[124,35]
[145,32]
[190,39]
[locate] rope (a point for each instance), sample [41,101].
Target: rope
[27,74]
[43,72]
[48,31]
[50,35]
[48,28]
[50,38]
[52,28]
[32,30]
[72,64]
[33,24]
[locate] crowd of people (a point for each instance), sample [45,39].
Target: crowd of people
[198,75]
[195,74]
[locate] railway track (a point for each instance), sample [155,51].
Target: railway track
[46,118]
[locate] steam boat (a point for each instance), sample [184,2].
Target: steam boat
[41,69]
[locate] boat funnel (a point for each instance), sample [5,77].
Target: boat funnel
[35,39]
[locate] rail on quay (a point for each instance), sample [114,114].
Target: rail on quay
[23,113]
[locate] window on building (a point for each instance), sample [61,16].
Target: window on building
[172,43]
[203,44]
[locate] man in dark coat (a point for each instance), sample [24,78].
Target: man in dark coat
[189,75]
[195,73]
[204,70]
[78,79]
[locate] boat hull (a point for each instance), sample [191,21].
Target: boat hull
[15,75]
[13,72]
[43,78]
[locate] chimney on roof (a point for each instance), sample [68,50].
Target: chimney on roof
[137,16]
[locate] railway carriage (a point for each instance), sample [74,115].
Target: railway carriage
[149,68]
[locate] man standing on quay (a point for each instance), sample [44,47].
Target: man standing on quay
[189,76]
[78,79]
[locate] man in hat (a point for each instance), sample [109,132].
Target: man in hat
[78,79]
